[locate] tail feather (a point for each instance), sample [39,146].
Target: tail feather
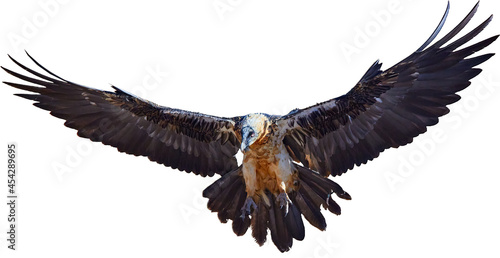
[294,222]
[307,175]
[219,203]
[240,226]
[311,212]
[260,218]
[333,207]
[312,194]
[227,196]
[234,203]
[215,189]
[279,230]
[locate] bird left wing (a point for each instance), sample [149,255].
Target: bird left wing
[386,108]
[188,141]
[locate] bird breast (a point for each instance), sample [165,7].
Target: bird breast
[267,165]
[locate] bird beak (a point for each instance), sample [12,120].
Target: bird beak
[245,132]
[244,147]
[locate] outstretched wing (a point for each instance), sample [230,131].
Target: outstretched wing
[386,108]
[184,140]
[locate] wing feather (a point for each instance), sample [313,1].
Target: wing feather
[189,141]
[386,108]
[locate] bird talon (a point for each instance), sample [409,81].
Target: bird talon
[283,201]
[246,209]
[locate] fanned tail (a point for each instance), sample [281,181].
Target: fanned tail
[227,196]
[315,191]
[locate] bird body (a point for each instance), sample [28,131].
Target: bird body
[286,159]
[266,163]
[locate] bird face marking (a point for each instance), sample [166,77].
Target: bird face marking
[255,128]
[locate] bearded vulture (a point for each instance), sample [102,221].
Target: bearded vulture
[286,159]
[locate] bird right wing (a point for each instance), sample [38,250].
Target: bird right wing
[184,140]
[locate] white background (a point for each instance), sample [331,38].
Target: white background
[258,56]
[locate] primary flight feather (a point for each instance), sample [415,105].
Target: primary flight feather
[286,159]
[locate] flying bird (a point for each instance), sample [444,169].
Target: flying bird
[287,159]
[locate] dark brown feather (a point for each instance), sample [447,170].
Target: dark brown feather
[188,141]
[386,108]
[294,222]
[279,230]
[260,218]
[311,212]
[240,226]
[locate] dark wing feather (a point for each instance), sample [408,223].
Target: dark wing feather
[188,141]
[386,108]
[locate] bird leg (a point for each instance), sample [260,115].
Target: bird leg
[283,201]
[282,198]
[246,209]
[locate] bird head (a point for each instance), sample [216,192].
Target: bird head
[254,129]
